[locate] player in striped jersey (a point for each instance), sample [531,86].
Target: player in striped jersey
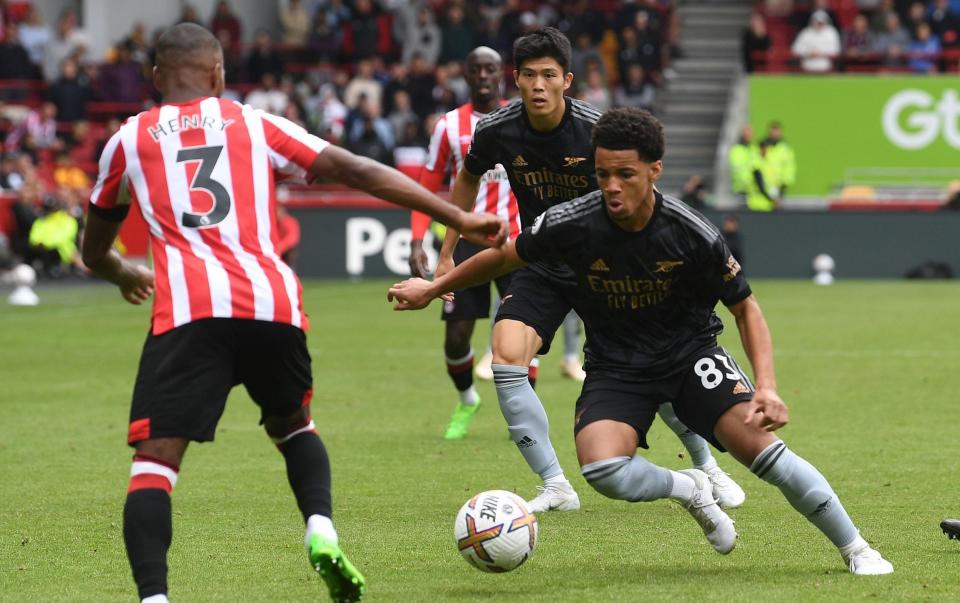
[449,144]
[649,272]
[543,140]
[227,309]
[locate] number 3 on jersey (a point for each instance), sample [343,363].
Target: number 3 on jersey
[207,158]
[711,376]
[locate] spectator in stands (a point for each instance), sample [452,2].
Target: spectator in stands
[70,93]
[421,37]
[139,45]
[113,125]
[456,36]
[924,50]
[893,42]
[263,58]
[189,14]
[859,43]
[695,192]
[878,18]
[492,34]
[26,209]
[70,41]
[648,45]
[18,171]
[635,90]
[743,158]
[755,40]
[916,14]
[295,22]
[399,81]
[367,32]
[944,23]
[83,146]
[595,90]
[817,44]
[456,82]
[402,114]
[328,29]
[364,84]
[443,97]
[67,174]
[584,51]
[371,135]
[422,82]
[121,80]
[35,34]
[15,62]
[37,132]
[232,64]
[783,158]
[268,97]
[225,20]
[333,114]
[802,13]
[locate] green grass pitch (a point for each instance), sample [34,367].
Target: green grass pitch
[869,370]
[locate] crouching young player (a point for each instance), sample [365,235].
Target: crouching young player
[649,272]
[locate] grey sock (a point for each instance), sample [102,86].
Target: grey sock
[526,419]
[697,446]
[624,478]
[571,334]
[806,490]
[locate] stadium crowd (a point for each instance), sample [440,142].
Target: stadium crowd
[371,75]
[818,36]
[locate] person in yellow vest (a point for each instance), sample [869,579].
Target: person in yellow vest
[742,158]
[53,238]
[781,153]
[764,192]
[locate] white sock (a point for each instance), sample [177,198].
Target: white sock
[320,524]
[683,487]
[571,358]
[857,544]
[156,599]
[469,396]
[556,479]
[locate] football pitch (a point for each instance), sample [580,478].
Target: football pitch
[869,370]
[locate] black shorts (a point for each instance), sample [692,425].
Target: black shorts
[709,384]
[538,299]
[186,374]
[472,303]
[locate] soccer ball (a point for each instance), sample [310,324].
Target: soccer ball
[495,531]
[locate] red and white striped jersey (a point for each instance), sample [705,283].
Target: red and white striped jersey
[202,174]
[449,143]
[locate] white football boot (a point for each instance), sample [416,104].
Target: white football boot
[482,369]
[554,496]
[867,561]
[717,525]
[728,493]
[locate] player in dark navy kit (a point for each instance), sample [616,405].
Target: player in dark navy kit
[543,141]
[648,273]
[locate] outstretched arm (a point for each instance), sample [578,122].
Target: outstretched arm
[415,293]
[387,183]
[766,407]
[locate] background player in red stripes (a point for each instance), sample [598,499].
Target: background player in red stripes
[228,310]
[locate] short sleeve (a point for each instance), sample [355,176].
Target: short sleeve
[726,275]
[292,149]
[110,198]
[483,150]
[535,243]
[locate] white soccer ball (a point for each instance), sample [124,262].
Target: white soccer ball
[23,275]
[495,531]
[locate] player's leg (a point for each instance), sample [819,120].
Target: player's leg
[712,401]
[459,358]
[570,366]
[275,369]
[147,513]
[728,492]
[612,419]
[181,389]
[805,488]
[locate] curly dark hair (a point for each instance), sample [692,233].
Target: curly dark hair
[630,128]
[546,42]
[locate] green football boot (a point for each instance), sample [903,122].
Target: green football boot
[460,421]
[345,582]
